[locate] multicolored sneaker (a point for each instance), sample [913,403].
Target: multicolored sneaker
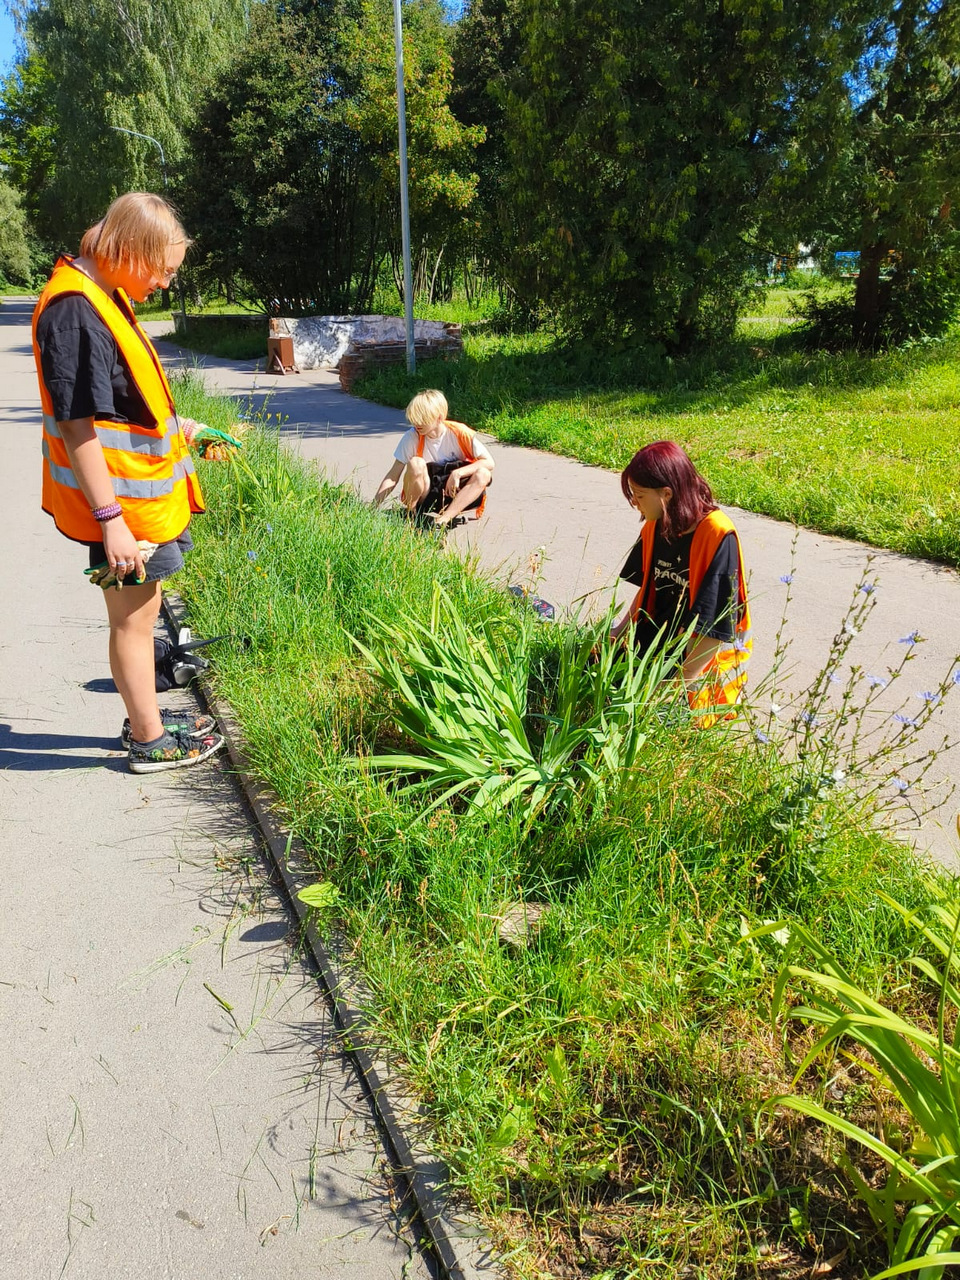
[191,722]
[175,750]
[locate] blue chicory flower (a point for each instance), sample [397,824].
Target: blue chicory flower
[929,695]
[900,784]
[876,682]
[902,719]
[761,736]
[912,638]
[868,588]
[787,578]
[251,555]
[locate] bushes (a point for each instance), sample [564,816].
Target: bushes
[912,308]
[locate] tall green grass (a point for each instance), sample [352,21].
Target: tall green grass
[597,1090]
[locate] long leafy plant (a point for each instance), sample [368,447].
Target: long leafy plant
[462,692]
[918,1204]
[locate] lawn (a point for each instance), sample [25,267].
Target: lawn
[863,446]
[598,1092]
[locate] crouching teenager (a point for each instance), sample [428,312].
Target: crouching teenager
[689,568]
[446,467]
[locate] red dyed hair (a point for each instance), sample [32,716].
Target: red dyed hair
[664,465]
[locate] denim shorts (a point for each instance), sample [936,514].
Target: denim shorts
[164,562]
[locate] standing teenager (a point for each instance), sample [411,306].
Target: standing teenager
[116,467]
[689,570]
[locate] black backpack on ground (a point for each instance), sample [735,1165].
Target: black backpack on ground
[177,664]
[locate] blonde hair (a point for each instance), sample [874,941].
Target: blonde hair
[136,231]
[424,409]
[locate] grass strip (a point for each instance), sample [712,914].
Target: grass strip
[597,1090]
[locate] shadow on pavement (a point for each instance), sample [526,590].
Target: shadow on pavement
[44,751]
[103,684]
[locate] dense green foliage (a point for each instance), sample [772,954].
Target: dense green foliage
[94,68]
[891,194]
[292,181]
[596,1090]
[27,145]
[15,257]
[651,150]
[263,208]
[620,171]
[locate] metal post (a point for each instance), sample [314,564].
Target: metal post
[117,128]
[404,200]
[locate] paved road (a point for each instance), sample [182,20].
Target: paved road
[145,1131]
[567,527]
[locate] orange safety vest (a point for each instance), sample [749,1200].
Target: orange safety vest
[465,438]
[152,471]
[725,675]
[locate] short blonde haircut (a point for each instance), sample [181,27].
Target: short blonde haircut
[426,408]
[135,232]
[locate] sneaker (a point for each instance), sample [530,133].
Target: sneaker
[192,723]
[175,750]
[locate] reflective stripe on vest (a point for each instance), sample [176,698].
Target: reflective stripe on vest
[118,437]
[151,470]
[465,438]
[725,675]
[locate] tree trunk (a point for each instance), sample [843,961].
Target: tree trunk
[866,303]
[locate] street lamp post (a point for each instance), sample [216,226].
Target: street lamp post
[117,128]
[404,200]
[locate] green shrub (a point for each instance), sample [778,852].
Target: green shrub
[912,307]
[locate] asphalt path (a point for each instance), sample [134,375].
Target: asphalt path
[564,529]
[173,1105]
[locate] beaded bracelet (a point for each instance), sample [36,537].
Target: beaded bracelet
[103,514]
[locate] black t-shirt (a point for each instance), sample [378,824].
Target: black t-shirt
[83,368]
[714,610]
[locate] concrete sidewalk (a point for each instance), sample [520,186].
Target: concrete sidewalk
[565,526]
[146,1130]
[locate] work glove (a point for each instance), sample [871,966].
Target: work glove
[103,576]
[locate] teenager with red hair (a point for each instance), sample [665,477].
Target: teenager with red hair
[688,566]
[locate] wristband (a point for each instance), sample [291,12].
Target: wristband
[110,512]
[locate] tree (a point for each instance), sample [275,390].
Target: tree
[102,66]
[651,153]
[28,142]
[897,187]
[293,183]
[271,187]
[486,55]
[440,149]
[15,259]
